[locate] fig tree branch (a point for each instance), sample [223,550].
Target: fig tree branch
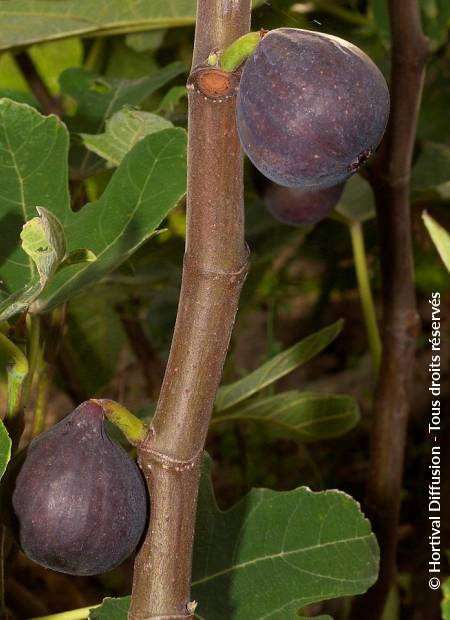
[48,103]
[215,266]
[400,322]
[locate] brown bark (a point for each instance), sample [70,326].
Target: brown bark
[48,103]
[215,266]
[400,325]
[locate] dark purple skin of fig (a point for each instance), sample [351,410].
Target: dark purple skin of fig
[311,108]
[298,207]
[79,500]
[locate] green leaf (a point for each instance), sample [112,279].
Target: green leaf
[357,203]
[20,97]
[277,367]
[5,448]
[32,21]
[20,300]
[308,546]
[429,175]
[33,171]
[434,119]
[95,338]
[98,97]
[51,59]
[171,99]
[44,242]
[111,609]
[305,416]
[149,182]
[435,17]
[150,40]
[291,611]
[78,256]
[445,603]
[440,237]
[117,609]
[123,130]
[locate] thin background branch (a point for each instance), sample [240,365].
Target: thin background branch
[400,325]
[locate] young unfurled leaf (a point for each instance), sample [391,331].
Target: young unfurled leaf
[44,241]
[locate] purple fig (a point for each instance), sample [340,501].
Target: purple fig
[79,500]
[311,108]
[296,207]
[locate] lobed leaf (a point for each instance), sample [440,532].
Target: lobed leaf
[33,171]
[123,130]
[147,185]
[273,553]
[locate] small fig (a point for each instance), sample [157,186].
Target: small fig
[79,500]
[297,207]
[311,108]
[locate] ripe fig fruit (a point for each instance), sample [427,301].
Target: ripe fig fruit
[295,206]
[79,500]
[311,108]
